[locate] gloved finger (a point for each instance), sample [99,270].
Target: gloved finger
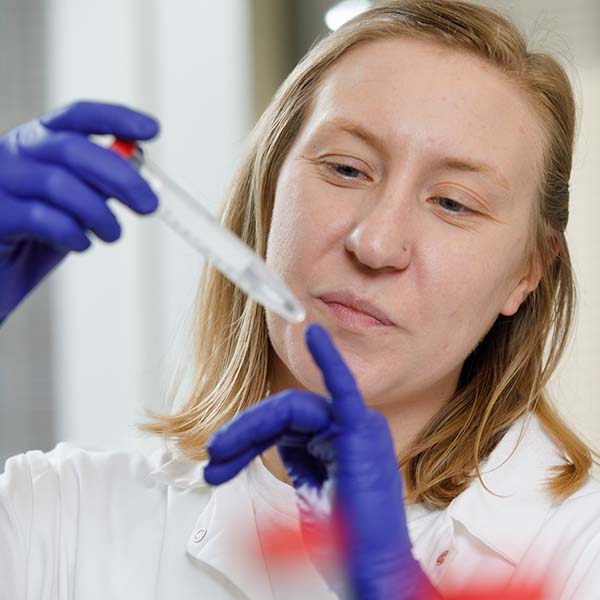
[291,410]
[66,192]
[34,219]
[99,167]
[102,118]
[347,403]
[216,473]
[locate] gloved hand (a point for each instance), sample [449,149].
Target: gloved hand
[338,443]
[54,183]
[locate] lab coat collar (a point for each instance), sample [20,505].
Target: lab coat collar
[516,470]
[225,535]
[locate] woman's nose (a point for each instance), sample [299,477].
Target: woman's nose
[382,238]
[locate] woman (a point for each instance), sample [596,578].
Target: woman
[410,183]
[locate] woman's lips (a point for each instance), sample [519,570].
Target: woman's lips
[351,317]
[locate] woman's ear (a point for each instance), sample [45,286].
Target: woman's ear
[524,287]
[518,296]
[529,282]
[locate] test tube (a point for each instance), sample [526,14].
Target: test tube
[180,211]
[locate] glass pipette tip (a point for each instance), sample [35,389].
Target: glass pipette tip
[182,213]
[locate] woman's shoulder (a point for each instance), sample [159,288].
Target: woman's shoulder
[77,514]
[72,486]
[67,455]
[69,466]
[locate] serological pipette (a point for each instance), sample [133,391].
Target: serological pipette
[196,225]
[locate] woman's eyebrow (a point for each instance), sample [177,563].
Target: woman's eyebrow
[472,166]
[354,129]
[443,162]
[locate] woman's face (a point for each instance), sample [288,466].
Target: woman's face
[409,186]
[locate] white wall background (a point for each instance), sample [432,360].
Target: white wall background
[575,387]
[118,306]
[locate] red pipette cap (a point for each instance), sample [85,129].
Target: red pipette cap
[124,148]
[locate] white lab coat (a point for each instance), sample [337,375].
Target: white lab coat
[77,524]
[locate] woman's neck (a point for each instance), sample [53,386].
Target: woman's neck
[406,416]
[406,420]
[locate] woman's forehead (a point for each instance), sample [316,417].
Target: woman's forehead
[412,94]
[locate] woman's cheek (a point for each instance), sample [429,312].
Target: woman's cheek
[292,366]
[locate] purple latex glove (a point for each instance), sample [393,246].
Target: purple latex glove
[54,184]
[339,446]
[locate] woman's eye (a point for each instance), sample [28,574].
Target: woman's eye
[452,205]
[344,171]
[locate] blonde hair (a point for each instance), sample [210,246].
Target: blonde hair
[506,375]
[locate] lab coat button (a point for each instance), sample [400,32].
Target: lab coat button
[199,535]
[441,558]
